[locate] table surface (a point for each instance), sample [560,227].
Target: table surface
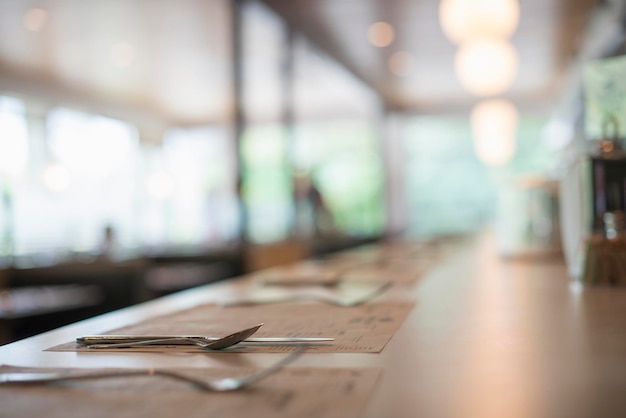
[487,338]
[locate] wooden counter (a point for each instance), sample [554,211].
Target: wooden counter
[487,338]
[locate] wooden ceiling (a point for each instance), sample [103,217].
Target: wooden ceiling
[547,40]
[180,73]
[153,62]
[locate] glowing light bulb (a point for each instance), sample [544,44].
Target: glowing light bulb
[160,186]
[463,20]
[381,34]
[56,178]
[35,19]
[122,54]
[401,63]
[494,127]
[486,67]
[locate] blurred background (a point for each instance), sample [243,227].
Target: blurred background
[148,146]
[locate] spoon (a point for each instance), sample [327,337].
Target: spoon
[218,344]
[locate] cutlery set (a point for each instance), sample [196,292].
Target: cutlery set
[353,297]
[109,341]
[213,343]
[205,344]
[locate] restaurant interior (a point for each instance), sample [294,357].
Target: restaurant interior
[148,147]
[317,168]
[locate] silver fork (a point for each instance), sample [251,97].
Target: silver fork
[217,385]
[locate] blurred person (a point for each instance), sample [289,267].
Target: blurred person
[313,214]
[108,245]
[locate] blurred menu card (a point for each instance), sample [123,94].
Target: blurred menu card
[292,392]
[359,329]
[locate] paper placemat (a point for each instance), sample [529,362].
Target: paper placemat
[403,274]
[292,392]
[359,329]
[329,272]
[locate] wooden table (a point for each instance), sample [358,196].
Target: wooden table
[487,338]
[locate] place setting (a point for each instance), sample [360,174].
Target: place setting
[275,390]
[351,317]
[287,314]
[204,342]
[332,272]
[191,392]
[306,284]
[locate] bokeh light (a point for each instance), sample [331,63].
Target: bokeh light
[381,34]
[35,19]
[401,63]
[486,67]
[494,127]
[464,20]
[56,177]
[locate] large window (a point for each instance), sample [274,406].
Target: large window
[337,142]
[123,126]
[267,183]
[14,147]
[325,156]
[200,205]
[141,143]
[14,152]
[70,177]
[341,159]
[81,182]
[267,187]
[449,189]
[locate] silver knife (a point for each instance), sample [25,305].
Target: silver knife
[113,339]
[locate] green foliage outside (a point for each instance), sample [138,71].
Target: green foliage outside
[449,189]
[342,160]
